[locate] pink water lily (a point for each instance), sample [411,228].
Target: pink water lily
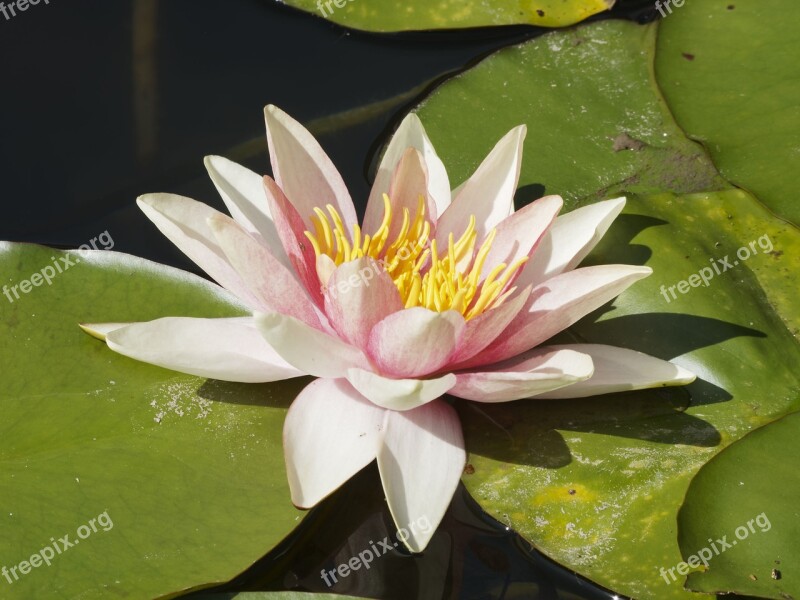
[436,292]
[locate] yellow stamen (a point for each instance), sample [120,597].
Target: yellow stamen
[423,277]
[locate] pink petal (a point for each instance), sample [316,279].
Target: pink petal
[226,349]
[484,329]
[410,134]
[302,169]
[518,235]
[619,370]
[329,435]
[243,194]
[570,239]
[290,229]
[409,182]
[421,462]
[185,222]
[536,372]
[307,349]
[266,277]
[558,303]
[359,294]
[415,341]
[489,193]
[399,394]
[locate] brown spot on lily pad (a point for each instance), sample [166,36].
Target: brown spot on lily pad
[625,142]
[687,55]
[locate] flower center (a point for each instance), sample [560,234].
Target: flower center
[423,276]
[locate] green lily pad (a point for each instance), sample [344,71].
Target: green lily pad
[729,71]
[597,483]
[417,15]
[745,501]
[188,472]
[597,125]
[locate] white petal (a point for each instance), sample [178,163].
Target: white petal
[101,330]
[359,295]
[399,394]
[421,462]
[226,349]
[409,183]
[571,237]
[542,370]
[411,134]
[520,233]
[243,194]
[185,222]
[619,370]
[415,341]
[269,280]
[308,349]
[489,193]
[303,171]
[329,435]
[557,303]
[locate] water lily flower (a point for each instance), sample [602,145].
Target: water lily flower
[436,292]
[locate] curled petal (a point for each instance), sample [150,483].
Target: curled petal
[537,372]
[619,370]
[399,394]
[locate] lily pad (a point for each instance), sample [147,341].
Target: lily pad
[416,15]
[597,483]
[745,501]
[729,71]
[188,472]
[597,125]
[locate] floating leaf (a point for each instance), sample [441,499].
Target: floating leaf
[416,15]
[188,471]
[741,513]
[729,71]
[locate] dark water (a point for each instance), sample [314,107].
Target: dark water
[102,101]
